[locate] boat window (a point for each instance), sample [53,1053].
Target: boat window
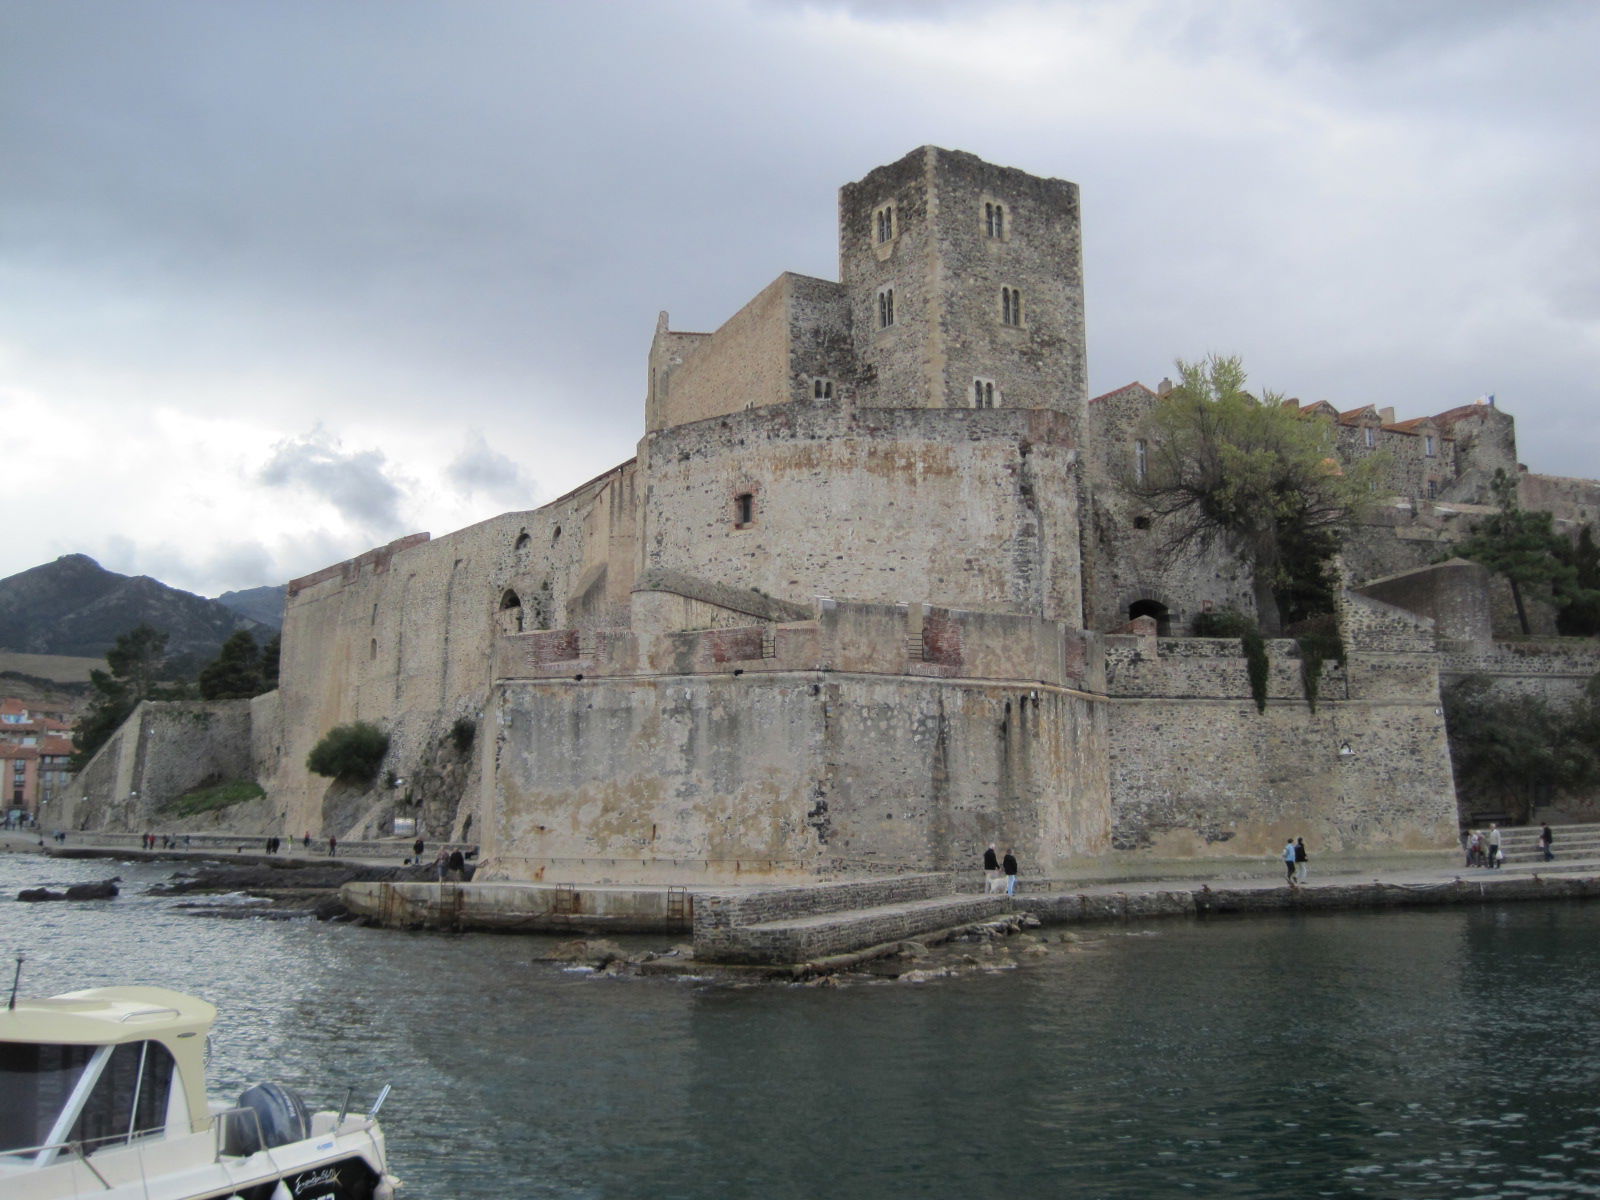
[36,1081]
[130,1097]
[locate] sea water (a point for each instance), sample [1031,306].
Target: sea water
[1443,1053]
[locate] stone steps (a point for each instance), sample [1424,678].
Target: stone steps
[1572,843]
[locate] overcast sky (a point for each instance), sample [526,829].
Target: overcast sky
[282,281]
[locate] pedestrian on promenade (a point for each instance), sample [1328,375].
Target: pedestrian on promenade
[417,848]
[1288,861]
[1009,866]
[1300,860]
[305,843]
[991,863]
[441,864]
[1495,856]
[333,845]
[1545,838]
[458,866]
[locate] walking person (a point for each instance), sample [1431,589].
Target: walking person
[1300,860]
[1288,861]
[1495,856]
[1545,838]
[991,865]
[333,846]
[1009,866]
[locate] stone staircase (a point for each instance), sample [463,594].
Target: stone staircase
[1576,847]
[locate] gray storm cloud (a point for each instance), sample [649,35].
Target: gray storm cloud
[356,484]
[481,470]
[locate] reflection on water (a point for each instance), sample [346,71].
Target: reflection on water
[1424,1054]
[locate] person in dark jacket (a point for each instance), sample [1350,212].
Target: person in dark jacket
[991,863]
[1300,860]
[1545,838]
[1009,866]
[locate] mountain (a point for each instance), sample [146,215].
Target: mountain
[75,606]
[264,604]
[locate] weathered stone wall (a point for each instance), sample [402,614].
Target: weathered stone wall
[1574,502]
[977,508]
[1454,595]
[405,639]
[792,771]
[1556,670]
[164,749]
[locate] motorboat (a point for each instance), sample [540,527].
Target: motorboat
[103,1094]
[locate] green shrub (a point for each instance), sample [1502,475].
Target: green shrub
[462,733]
[349,753]
[209,799]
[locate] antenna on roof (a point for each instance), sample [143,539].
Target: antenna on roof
[16,980]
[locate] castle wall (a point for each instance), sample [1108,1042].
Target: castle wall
[1574,502]
[872,736]
[164,749]
[403,637]
[977,508]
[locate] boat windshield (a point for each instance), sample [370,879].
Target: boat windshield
[36,1081]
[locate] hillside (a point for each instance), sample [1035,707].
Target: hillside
[264,604]
[74,606]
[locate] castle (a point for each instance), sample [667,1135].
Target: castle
[868,597]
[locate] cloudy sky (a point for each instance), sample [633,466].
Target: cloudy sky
[280,280]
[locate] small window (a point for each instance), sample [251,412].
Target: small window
[994,219]
[1011,306]
[821,388]
[522,540]
[744,509]
[1141,460]
[885,308]
[1369,435]
[983,393]
[1433,489]
[883,223]
[1428,445]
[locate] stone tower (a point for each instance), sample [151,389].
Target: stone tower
[965,285]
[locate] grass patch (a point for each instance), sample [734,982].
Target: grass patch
[209,799]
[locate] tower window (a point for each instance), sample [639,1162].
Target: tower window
[994,220]
[1428,445]
[1433,489]
[1370,436]
[885,308]
[1011,306]
[883,223]
[1141,460]
[821,388]
[744,509]
[983,393]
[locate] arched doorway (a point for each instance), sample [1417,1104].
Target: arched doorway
[510,612]
[1155,609]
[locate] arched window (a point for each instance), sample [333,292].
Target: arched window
[885,308]
[510,612]
[1011,306]
[523,539]
[994,219]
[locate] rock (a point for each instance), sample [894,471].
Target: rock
[1028,921]
[925,974]
[34,895]
[913,950]
[597,953]
[106,889]
[330,910]
[1035,951]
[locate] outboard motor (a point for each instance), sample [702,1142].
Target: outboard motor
[280,1118]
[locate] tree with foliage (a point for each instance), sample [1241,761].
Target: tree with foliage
[236,671]
[241,669]
[1524,547]
[349,753]
[1579,615]
[1515,752]
[135,663]
[1254,475]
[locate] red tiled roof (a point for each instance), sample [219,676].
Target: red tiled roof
[1127,387]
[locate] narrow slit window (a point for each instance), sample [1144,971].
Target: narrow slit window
[885,308]
[744,508]
[1141,460]
[1370,436]
[883,221]
[994,218]
[821,388]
